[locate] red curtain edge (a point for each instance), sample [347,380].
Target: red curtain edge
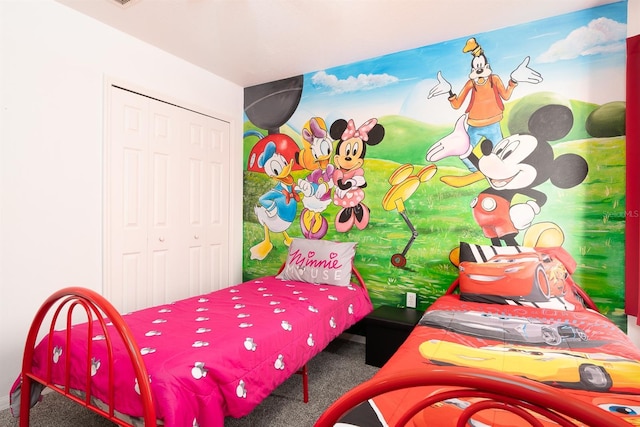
[632,211]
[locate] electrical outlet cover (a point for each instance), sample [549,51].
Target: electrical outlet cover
[411,299]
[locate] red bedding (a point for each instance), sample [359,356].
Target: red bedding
[581,353]
[218,354]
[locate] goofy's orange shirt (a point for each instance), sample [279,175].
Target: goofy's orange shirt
[485,107]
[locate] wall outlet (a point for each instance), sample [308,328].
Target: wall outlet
[411,299]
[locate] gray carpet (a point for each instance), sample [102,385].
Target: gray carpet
[331,373]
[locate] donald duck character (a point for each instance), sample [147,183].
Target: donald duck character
[277,207]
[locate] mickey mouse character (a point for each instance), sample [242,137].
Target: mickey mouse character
[348,177]
[515,166]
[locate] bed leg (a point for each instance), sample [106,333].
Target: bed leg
[25,401]
[305,383]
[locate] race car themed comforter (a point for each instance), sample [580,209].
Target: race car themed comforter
[580,352]
[517,312]
[218,354]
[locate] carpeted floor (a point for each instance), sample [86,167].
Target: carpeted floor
[331,373]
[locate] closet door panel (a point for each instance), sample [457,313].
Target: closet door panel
[127,198]
[209,193]
[195,159]
[166,242]
[218,205]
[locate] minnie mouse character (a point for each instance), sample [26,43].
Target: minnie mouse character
[349,176]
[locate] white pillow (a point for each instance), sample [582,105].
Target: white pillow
[319,261]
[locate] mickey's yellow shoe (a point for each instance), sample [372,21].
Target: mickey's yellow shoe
[543,235]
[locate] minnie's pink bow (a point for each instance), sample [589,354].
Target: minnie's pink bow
[362,132]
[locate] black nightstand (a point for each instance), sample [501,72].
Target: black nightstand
[387,328]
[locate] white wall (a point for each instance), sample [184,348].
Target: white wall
[54,63]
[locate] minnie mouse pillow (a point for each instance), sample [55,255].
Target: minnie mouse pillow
[319,261]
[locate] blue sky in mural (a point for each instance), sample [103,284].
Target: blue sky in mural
[566,50]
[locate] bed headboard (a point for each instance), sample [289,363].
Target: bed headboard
[525,398]
[96,308]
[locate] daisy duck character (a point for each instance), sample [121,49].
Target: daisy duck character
[316,187]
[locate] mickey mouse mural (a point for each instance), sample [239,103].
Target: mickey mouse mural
[516,165]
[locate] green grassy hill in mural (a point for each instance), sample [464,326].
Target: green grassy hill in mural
[591,215]
[411,139]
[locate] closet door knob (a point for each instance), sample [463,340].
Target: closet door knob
[196,237]
[161,239]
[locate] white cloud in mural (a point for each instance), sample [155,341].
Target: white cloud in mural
[602,35]
[351,83]
[436,110]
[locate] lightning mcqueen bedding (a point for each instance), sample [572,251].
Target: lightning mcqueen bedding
[542,328]
[210,356]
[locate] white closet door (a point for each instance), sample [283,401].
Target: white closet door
[166,244]
[207,163]
[167,187]
[127,195]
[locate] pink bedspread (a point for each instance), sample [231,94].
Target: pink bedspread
[220,354]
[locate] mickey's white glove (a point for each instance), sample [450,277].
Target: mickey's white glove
[522,214]
[457,143]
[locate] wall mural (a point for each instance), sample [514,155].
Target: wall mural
[510,137]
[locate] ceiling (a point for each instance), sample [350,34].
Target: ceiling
[249,42]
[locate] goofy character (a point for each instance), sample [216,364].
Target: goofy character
[486,104]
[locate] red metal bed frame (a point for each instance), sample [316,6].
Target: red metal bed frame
[520,396]
[525,398]
[96,307]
